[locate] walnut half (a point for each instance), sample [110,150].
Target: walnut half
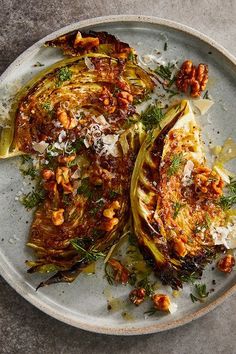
[192,78]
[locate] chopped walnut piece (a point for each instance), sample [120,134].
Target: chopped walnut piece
[192,77]
[57,217]
[137,296]
[161,302]
[208,181]
[226,264]
[47,174]
[110,224]
[110,212]
[66,121]
[180,248]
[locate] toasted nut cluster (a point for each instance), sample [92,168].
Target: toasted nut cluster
[108,100]
[110,212]
[180,247]
[86,42]
[63,178]
[192,77]
[110,224]
[208,181]
[161,302]
[66,121]
[58,217]
[124,99]
[47,174]
[121,274]
[226,264]
[137,296]
[66,159]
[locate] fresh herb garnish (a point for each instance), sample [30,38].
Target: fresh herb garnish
[113,194]
[97,207]
[147,285]
[151,312]
[88,256]
[33,199]
[177,206]
[64,74]
[206,95]
[166,73]
[176,162]
[201,293]
[27,168]
[38,64]
[131,56]
[79,144]
[228,200]
[85,188]
[190,278]
[165,46]
[31,171]
[151,117]
[109,274]
[47,106]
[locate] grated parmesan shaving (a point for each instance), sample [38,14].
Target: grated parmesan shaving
[224,235]
[89,64]
[188,168]
[40,147]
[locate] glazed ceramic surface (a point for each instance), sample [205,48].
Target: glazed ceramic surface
[84,303]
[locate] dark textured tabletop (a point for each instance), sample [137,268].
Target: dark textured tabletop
[23,328]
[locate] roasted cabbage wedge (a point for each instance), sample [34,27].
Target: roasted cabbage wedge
[174,199]
[94,82]
[73,119]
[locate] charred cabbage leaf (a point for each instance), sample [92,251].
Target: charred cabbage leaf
[78,43]
[174,199]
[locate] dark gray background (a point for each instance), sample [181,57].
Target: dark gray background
[23,328]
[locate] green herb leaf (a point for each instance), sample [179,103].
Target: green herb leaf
[201,293]
[109,274]
[151,117]
[176,162]
[194,298]
[89,256]
[206,95]
[146,284]
[190,278]
[38,64]
[64,74]
[85,188]
[165,46]
[177,206]
[151,312]
[227,201]
[33,199]
[201,290]
[166,73]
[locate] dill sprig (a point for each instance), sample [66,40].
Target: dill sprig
[176,162]
[166,73]
[91,255]
[33,199]
[227,201]
[151,117]
[201,293]
[177,206]
[64,74]
[147,285]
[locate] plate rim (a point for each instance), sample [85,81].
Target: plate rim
[16,284]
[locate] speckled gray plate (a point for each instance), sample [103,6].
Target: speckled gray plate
[83,304]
